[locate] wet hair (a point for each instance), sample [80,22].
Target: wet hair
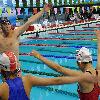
[7,74]
[87,62]
[4,20]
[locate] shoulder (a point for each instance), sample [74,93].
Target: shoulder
[3,88]
[29,78]
[88,78]
[3,85]
[32,80]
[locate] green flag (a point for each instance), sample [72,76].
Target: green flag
[75,1]
[55,2]
[0,11]
[37,3]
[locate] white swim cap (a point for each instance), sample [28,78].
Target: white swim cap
[8,61]
[83,55]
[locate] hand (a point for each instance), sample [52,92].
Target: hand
[35,54]
[47,7]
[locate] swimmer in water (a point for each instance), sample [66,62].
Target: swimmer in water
[86,90]
[18,88]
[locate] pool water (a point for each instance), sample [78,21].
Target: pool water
[65,56]
[60,48]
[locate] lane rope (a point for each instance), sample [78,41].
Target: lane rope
[59,45]
[67,57]
[93,39]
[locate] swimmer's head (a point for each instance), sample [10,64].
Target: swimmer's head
[8,65]
[8,61]
[83,56]
[5,26]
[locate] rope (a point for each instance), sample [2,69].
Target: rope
[67,57]
[43,45]
[52,45]
[41,73]
[71,67]
[80,30]
[67,52]
[61,38]
[91,27]
[59,91]
[72,34]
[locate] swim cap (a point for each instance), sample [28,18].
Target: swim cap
[8,61]
[83,55]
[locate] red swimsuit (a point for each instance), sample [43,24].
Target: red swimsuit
[93,95]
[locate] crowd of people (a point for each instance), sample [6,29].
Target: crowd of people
[18,87]
[70,15]
[63,14]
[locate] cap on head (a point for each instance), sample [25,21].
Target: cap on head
[84,55]
[8,61]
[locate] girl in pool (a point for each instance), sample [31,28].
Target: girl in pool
[86,90]
[18,88]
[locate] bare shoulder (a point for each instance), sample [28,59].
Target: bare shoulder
[3,85]
[88,78]
[3,88]
[28,77]
[18,31]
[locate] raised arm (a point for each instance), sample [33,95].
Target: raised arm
[98,43]
[37,81]
[55,66]
[20,30]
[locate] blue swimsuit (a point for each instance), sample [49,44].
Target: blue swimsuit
[16,89]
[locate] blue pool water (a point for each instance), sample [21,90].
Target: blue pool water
[65,56]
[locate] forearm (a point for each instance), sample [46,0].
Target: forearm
[36,16]
[37,81]
[20,30]
[59,80]
[68,80]
[59,68]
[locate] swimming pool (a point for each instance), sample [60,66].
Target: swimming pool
[60,48]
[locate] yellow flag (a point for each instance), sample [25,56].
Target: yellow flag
[41,8]
[8,10]
[78,9]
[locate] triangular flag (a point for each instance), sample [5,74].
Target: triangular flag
[0,11]
[8,10]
